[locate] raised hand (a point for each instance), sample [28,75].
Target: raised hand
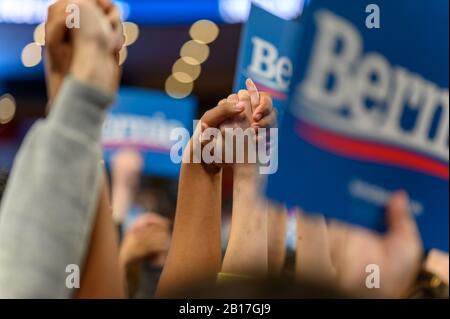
[248,247]
[148,237]
[125,170]
[397,254]
[127,167]
[203,138]
[59,40]
[258,113]
[355,252]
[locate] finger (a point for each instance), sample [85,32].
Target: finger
[222,101]
[215,116]
[399,218]
[264,108]
[254,93]
[233,98]
[267,122]
[244,99]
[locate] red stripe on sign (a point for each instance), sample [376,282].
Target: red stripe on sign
[275,94]
[138,146]
[370,151]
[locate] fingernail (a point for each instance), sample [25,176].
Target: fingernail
[257,117]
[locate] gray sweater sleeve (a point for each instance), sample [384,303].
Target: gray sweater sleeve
[48,209]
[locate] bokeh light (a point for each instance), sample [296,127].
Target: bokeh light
[7,108]
[177,89]
[31,55]
[204,31]
[131,32]
[185,72]
[123,54]
[194,52]
[39,34]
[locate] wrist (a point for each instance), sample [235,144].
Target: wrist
[125,184]
[192,158]
[54,83]
[126,257]
[247,174]
[91,64]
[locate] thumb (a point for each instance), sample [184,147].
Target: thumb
[398,214]
[225,110]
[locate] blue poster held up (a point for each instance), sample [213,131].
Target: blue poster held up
[268,52]
[143,120]
[369,115]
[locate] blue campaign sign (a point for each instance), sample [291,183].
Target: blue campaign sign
[143,120]
[269,47]
[369,115]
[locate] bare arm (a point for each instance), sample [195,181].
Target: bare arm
[125,170]
[248,247]
[66,187]
[247,252]
[195,255]
[103,276]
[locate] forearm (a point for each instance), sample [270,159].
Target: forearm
[103,275]
[276,238]
[247,251]
[122,199]
[49,206]
[195,253]
[313,259]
